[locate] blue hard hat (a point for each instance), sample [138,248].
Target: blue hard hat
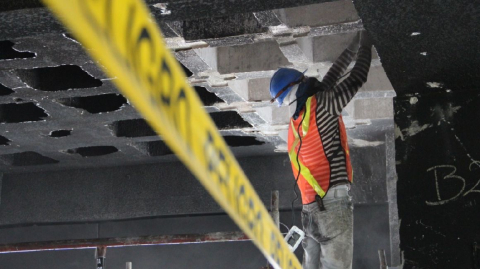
[281,79]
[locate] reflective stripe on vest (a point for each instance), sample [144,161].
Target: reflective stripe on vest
[305,172]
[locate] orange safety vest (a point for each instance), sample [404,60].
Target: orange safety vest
[315,168]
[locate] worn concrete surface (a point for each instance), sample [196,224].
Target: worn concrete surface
[425,41]
[221,255]
[136,191]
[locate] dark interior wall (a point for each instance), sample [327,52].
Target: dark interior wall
[115,202]
[437,155]
[368,238]
[206,255]
[113,193]
[425,41]
[429,50]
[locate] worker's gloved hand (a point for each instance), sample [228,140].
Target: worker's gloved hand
[365,39]
[355,44]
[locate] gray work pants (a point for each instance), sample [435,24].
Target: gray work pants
[328,242]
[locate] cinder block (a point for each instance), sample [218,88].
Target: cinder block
[253,89]
[319,14]
[325,48]
[209,56]
[245,58]
[373,108]
[274,115]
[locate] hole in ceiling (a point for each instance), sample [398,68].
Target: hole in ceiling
[242,141]
[139,127]
[4,90]
[187,71]
[159,148]
[132,128]
[7,52]
[207,97]
[96,103]
[59,78]
[60,133]
[4,141]
[15,113]
[26,158]
[153,148]
[229,120]
[93,151]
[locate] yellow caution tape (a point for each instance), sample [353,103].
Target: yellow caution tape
[123,37]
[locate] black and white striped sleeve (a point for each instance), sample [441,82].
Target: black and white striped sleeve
[337,97]
[338,68]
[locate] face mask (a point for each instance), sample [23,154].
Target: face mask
[291,96]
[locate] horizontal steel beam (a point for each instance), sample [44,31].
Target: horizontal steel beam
[124,242]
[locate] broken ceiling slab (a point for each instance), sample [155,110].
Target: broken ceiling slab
[190,10]
[319,14]
[236,24]
[234,69]
[27,22]
[401,31]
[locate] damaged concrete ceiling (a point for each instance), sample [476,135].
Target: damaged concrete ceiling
[426,46]
[58,110]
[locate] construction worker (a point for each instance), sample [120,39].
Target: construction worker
[319,154]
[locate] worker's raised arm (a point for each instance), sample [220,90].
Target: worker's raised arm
[342,62]
[337,97]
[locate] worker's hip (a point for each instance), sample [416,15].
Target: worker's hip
[334,194]
[337,218]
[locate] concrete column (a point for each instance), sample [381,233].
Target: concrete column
[392,198]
